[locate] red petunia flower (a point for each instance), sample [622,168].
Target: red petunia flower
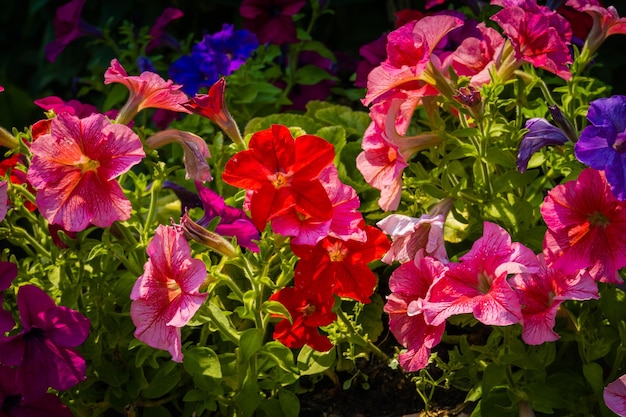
[271,20]
[307,314]
[282,173]
[339,267]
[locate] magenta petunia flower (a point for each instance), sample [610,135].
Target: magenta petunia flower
[542,293]
[45,350]
[538,35]
[13,405]
[4,199]
[606,22]
[158,34]
[147,90]
[58,105]
[68,26]
[271,20]
[602,144]
[8,272]
[74,169]
[586,227]
[615,396]
[409,284]
[233,221]
[166,296]
[478,284]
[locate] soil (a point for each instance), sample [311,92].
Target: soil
[387,392]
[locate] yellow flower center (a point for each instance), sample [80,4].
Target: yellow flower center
[85,164]
[280,179]
[337,252]
[173,290]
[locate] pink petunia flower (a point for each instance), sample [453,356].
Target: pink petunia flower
[476,56]
[615,396]
[586,227]
[542,293]
[606,22]
[478,284]
[147,90]
[58,105]
[195,149]
[409,284]
[68,26]
[166,296]
[538,36]
[409,235]
[45,350]
[74,169]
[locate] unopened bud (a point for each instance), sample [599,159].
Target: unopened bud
[193,231]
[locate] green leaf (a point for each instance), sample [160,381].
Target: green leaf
[276,308]
[370,317]
[312,362]
[593,375]
[249,344]
[286,119]
[202,361]
[311,75]
[164,381]
[289,403]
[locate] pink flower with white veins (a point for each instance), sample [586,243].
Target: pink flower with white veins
[409,235]
[166,296]
[542,293]
[478,284]
[74,169]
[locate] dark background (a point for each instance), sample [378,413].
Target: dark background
[27,26]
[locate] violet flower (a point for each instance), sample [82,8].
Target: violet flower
[159,37]
[602,143]
[8,272]
[215,56]
[68,26]
[541,134]
[13,405]
[271,20]
[45,350]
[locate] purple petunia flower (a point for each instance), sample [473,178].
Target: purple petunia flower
[8,272]
[214,56]
[45,350]
[541,133]
[602,143]
[13,405]
[271,20]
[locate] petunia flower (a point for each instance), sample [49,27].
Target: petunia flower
[68,26]
[158,35]
[58,105]
[538,35]
[196,151]
[540,134]
[409,284]
[17,176]
[215,56]
[542,293]
[282,172]
[233,221]
[74,169]
[614,396]
[606,22]
[166,296]
[13,404]
[602,144]
[4,199]
[373,54]
[476,56]
[271,20]
[147,90]
[8,272]
[409,235]
[344,223]
[586,227]
[308,313]
[45,350]
[335,266]
[478,283]
[213,107]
